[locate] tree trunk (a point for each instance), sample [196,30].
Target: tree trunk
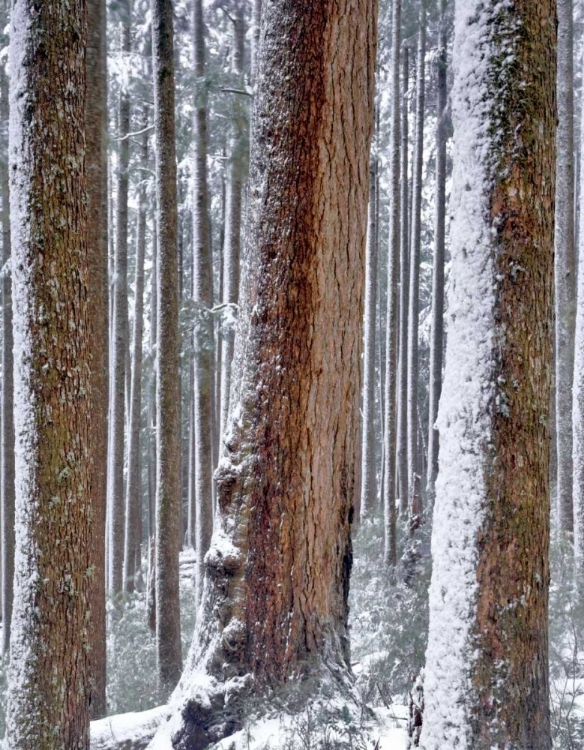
[255,43]
[414,290]
[7,427]
[565,264]
[404,285]
[133,526]
[49,684]
[96,168]
[204,339]
[390,421]
[237,168]
[120,331]
[437,332]
[168,491]
[275,598]
[368,463]
[486,683]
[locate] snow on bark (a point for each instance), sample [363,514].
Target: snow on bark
[486,670]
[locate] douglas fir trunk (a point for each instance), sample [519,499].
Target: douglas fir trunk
[277,575]
[487,659]
[49,671]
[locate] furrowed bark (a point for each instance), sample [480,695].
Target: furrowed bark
[49,681]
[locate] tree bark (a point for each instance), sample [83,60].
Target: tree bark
[168,491]
[7,426]
[565,265]
[368,463]
[390,421]
[414,482]
[487,683]
[120,331]
[404,285]
[437,331]
[275,598]
[204,338]
[96,168]
[49,683]
[133,525]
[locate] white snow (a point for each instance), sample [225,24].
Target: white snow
[467,396]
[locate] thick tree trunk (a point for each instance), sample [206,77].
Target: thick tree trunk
[368,436]
[404,286]
[486,683]
[275,597]
[49,691]
[120,332]
[565,264]
[437,332]
[168,494]
[96,168]
[204,338]
[390,421]
[7,426]
[133,525]
[414,479]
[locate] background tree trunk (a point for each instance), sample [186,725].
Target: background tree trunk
[414,286]
[204,338]
[390,421]
[120,329]
[49,689]
[437,332]
[133,526]
[96,168]
[168,491]
[565,264]
[486,681]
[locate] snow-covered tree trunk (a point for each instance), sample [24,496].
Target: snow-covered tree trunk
[565,264]
[486,680]
[204,338]
[415,500]
[7,426]
[277,574]
[437,332]
[578,402]
[49,682]
[96,168]
[120,346]
[390,421]
[404,286]
[133,525]
[168,491]
[237,168]
[368,436]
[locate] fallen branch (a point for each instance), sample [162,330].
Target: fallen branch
[131,731]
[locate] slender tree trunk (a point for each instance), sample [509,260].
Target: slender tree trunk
[487,683]
[237,166]
[168,495]
[278,573]
[414,290]
[120,331]
[437,332]
[565,264]
[368,463]
[133,532]
[390,421]
[204,338]
[255,44]
[153,379]
[7,426]
[49,683]
[404,285]
[96,168]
